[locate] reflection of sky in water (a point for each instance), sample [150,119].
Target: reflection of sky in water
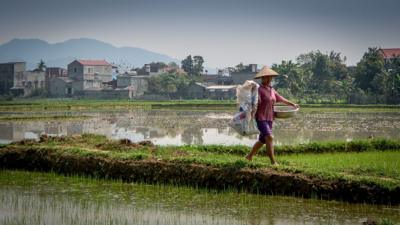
[167,127]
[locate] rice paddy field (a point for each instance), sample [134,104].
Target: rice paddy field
[48,198]
[178,162]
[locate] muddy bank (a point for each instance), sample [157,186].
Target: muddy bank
[262,181]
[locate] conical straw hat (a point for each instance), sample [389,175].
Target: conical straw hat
[265,71]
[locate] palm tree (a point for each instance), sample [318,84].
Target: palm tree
[41,65]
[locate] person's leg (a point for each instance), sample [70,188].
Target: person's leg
[254,150]
[270,148]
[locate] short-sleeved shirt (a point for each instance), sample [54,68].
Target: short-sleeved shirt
[267,97]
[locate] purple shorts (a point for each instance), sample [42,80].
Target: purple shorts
[265,128]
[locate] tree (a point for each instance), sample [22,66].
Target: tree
[41,66]
[292,78]
[169,84]
[371,64]
[187,65]
[173,65]
[393,80]
[326,72]
[337,66]
[240,67]
[198,65]
[283,69]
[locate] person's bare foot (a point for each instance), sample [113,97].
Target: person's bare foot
[249,157]
[275,164]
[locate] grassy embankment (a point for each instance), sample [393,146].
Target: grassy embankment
[72,104]
[42,117]
[361,171]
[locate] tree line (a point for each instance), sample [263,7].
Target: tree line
[316,77]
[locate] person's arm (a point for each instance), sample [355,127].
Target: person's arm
[279,98]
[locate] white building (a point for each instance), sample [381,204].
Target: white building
[90,74]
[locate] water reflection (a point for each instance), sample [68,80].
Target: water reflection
[53,199]
[167,127]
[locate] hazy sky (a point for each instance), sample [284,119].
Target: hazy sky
[224,32]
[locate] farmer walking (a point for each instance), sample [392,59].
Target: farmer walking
[267,97]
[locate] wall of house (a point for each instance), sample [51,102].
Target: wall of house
[241,77]
[32,80]
[75,70]
[58,88]
[139,86]
[221,94]
[123,81]
[6,77]
[8,74]
[77,85]
[196,91]
[53,72]
[103,73]
[92,84]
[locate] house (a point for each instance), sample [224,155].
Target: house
[138,85]
[239,77]
[28,81]
[31,81]
[229,77]
[196,91]
[154,69]
[8,72]
[61,87]
[89,74]
[389,53]
[125,79]
[209,78]
[14,79]
[53,72]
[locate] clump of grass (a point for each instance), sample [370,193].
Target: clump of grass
[386,221]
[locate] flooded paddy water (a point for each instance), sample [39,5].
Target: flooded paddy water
[39,198]
[45,198]
[182,127]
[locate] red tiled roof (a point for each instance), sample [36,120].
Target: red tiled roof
[390,52]
[93,62]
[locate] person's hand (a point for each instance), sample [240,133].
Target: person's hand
[295,105]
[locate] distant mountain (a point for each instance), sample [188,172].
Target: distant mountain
[61,54]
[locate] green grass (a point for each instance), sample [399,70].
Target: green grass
[375,165]
[313,147]
[370,161]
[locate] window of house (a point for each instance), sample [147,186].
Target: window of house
[69,91]
[74,70]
